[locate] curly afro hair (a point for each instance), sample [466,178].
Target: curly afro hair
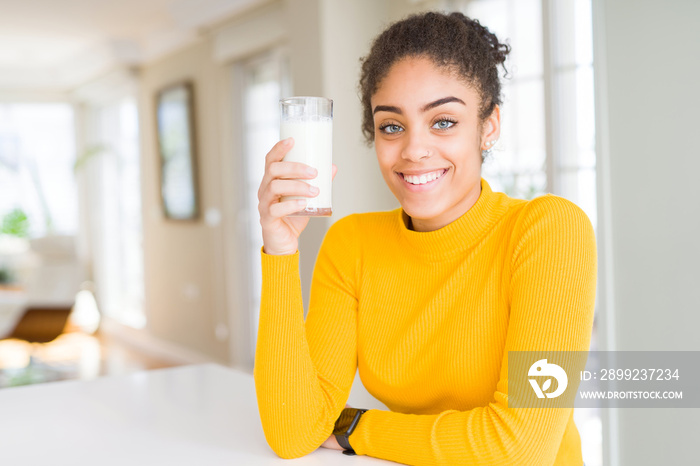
[453,41]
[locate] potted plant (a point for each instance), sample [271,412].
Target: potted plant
[14,233]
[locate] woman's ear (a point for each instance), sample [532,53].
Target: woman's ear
[491,129]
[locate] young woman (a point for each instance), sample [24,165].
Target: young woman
[426,300]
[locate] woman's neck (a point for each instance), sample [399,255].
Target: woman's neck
[457,211]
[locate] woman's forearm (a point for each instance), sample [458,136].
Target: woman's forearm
[304,369]
[285,380]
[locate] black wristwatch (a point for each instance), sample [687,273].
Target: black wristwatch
[345,425]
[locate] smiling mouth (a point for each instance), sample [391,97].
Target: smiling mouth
[426,178]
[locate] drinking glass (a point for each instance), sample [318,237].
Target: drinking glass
[309,120]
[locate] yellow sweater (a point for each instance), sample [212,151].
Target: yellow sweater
[428,318]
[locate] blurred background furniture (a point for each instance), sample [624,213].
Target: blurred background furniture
[56,276]
[41,324]
[13,302]
[39,305]
[48,276]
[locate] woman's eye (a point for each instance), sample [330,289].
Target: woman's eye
[443,124]
[390,129]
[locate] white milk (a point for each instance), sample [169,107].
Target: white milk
[313,145]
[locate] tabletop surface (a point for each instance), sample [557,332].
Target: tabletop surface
[201,414]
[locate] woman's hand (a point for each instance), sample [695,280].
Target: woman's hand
[331,442]
[280,233]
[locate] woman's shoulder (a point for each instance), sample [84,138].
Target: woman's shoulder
[552,207]
[551,216]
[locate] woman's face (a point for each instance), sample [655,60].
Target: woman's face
[429,139]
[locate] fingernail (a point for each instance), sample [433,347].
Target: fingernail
[287,141]
[313,189]
[311,171]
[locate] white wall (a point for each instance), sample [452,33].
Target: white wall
[185,277]
[348,29]
[648,99]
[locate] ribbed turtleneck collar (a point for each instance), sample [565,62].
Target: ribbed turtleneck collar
[460,235]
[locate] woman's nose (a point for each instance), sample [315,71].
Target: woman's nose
[416,148]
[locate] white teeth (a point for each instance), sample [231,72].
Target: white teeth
[423,179]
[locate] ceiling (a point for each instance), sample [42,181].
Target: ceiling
[60,44]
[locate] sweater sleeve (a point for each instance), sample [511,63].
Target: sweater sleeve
[552,295]
[304,370]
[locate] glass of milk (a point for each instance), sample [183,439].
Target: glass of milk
[309,120]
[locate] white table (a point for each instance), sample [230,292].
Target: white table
[192,415]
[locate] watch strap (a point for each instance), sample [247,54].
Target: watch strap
[343,430]
[343,442]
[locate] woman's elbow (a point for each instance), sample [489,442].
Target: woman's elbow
[289,446]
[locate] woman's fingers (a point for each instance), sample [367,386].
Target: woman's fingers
[279,188]
[277,168]
[276,154]
[285,179]
[291,170]
[278,151]
[284,208]
[285,171]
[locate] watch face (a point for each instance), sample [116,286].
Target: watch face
[344,421]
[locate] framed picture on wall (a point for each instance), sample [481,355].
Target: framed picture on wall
[176,146]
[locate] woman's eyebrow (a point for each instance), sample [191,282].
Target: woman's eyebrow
[437,103]
[387,108]
[443,101]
